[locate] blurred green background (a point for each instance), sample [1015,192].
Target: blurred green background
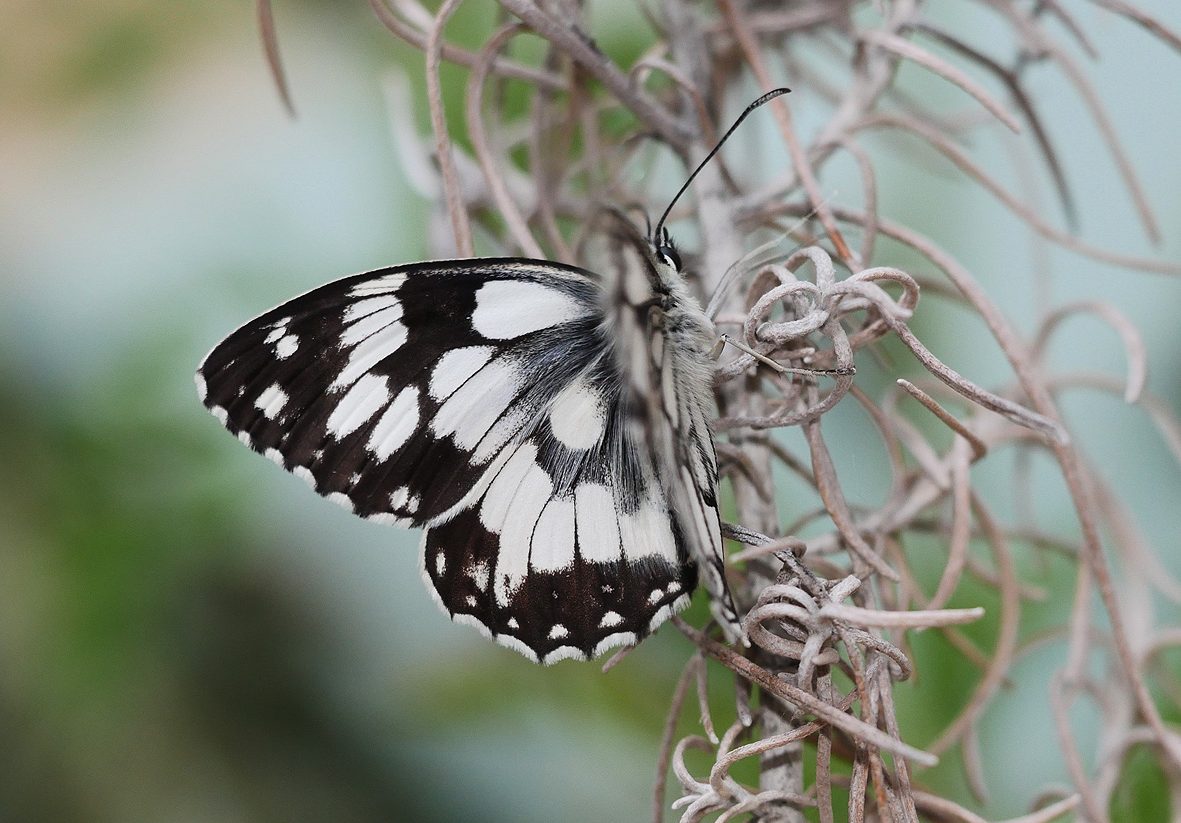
[186,634]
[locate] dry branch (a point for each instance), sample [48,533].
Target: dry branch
[828,616]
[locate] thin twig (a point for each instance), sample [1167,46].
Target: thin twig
[270,45]
[460,227]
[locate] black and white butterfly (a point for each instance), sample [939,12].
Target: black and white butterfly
[547,425]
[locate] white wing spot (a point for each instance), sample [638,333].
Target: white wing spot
[271,401]
[665,612]
[471,620]
[564,653]
[511,422]
[364,327]
[613,640]
[413,503]
[552,547]
[471,601]
[647,533]
[202,390]
[244,437]
[510,308]
[473,409]
[275,456]
[369,353]
[341,499]
[287,346]
[382,285]
[525,509]
[387,519]
[656,596]
[610,619]
[558,632]
[221,414]
[360,403]
[399,496]
[503,490]
[369,306]
[440,562]
[510,642]
[395,426]
[478,572]
[513,624]
[304,474]
[456,367]
[598,523]
[510,508]
[576,416]
[278,330]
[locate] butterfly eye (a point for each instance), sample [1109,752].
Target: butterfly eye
[669,255]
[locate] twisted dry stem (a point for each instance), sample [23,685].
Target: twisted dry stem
[828,614]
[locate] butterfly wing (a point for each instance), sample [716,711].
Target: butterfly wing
[479,398]
[392,392]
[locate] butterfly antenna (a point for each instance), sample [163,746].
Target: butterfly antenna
[771,95]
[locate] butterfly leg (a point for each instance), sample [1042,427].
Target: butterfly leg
[716,351]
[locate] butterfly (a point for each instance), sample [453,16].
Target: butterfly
[547,425]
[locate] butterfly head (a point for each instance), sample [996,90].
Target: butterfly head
[666,251]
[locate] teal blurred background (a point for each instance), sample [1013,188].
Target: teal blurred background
[186,634]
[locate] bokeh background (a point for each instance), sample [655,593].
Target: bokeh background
[187,634]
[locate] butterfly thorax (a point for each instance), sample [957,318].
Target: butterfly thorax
[687,330]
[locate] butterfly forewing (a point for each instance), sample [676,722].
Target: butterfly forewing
[391,391]
[492,401]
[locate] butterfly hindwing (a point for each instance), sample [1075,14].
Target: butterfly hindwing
[555,559]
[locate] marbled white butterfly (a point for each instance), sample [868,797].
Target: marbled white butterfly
[546,425]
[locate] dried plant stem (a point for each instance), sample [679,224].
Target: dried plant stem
[802,699]
[270,43]
[832,597]
[459,219]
